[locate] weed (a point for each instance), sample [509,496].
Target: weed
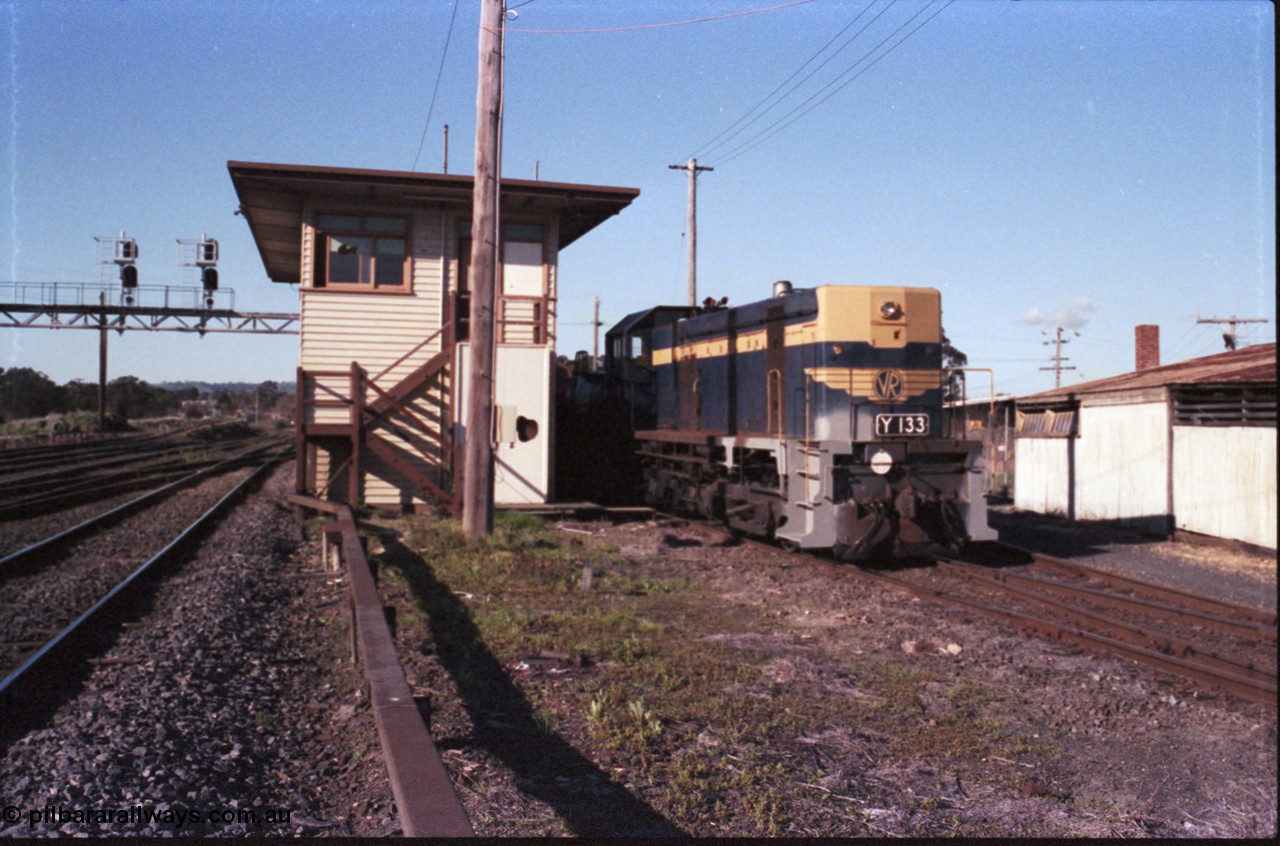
[597,710]
[646,723]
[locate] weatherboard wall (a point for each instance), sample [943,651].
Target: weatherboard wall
[376,330]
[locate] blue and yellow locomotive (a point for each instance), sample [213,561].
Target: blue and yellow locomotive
[813,418]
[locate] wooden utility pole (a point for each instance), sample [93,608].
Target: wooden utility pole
[477,479]
[595,336]
[692,224]
[1229,336]
[1058,358]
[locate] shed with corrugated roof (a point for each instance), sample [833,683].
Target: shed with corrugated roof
[1182,447]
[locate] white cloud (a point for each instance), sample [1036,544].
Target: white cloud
[1073,315]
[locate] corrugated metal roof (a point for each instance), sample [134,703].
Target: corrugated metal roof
[1251,365]
[271,199]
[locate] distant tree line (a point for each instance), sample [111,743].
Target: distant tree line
[26,393]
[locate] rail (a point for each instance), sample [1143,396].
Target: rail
[60,642]
[133,505]
[1244,680]
[1152,647]
[426,802]
[25,498]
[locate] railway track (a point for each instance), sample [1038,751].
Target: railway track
[1231,649]
[1222,645]
[57,592]
[31,493]
[77,524]
[16,460]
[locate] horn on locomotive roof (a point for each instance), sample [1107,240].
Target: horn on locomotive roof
[781,288]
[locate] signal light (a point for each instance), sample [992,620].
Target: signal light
[129,276]
[206,252]
[209,278]
[126,250]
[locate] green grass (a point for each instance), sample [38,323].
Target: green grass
[696,721]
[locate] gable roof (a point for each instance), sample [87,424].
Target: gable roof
[272,198]
[1251,365]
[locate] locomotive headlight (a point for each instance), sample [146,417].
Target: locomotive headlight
[881,462]
[890,310]
[837,351]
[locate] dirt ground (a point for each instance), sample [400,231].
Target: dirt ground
[755,696]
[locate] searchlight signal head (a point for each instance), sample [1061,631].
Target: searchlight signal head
[124,249]
[206,252]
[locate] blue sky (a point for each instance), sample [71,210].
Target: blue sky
[1100,164]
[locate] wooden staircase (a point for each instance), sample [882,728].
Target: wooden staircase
[389,423]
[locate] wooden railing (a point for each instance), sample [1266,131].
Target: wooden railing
[370,407]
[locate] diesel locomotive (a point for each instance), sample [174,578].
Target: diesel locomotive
[813,418]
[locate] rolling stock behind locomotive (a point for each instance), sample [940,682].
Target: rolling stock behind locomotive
[813,418]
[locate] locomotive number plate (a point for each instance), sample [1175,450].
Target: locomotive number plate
[902,424]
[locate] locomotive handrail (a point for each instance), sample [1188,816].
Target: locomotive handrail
[808,447]
[773,400]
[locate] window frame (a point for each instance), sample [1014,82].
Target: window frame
[321,281]
[520,230]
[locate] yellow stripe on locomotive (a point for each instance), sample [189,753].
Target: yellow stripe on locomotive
[868,383]
[885,317]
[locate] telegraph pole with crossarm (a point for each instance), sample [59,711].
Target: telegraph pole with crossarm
[1229,336]
[1058,357]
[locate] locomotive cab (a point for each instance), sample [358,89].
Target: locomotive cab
[629,367]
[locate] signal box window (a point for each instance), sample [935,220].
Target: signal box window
[361,252]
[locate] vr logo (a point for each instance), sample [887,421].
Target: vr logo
[887,385]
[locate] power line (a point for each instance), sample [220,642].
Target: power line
[439,72]
[787,120]
[712,145]
[659,25]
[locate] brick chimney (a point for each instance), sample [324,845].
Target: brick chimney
[1147,346]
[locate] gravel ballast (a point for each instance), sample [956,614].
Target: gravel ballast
[227,706]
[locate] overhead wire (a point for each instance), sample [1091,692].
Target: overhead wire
[659,25]
[439,73]
[809,105]
[712,145]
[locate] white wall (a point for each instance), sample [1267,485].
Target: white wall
[1041,484]
[1122,461]
[1225,482]
[523,386]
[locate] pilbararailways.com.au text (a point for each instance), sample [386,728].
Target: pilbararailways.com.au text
[144,815]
